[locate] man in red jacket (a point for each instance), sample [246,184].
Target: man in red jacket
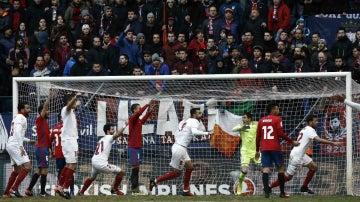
[279,18]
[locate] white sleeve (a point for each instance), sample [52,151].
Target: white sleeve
[195,131]
[352,104]
[17,133]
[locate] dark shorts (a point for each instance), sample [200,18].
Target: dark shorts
[135,156]
[270,157]
[42,157]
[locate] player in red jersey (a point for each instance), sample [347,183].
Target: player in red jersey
[268,133]
[43,148]
[135,142]
[55,138]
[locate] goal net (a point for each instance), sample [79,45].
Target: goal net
[223,99]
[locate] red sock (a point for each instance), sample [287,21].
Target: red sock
[62,176]
[187,178]
[168,176]
[20,177]
[277,183]
[11,181]
[117,181]
[309,177]
[86,185]
[68,178]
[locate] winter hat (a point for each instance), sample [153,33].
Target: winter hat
[85,26]
[85,12]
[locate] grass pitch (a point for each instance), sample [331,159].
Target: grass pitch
[226,198]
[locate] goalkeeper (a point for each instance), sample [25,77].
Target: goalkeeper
[247,132]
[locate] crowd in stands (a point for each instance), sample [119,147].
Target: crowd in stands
[137,37]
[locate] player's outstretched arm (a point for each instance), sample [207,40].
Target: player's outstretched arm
[342,98]
[46,103]
[321,140]
[120,132]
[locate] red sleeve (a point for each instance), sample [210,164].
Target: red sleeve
[269,23]
[258,137]
[286,21]
[147,115]
[281,133]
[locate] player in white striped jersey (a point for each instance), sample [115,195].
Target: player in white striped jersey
[298,156]
[180,158]
[100,158]
[15,147]
[69,137]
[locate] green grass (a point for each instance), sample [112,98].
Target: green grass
[297,198]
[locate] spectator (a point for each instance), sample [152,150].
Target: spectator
[169,49]
[187,27]
[224,48]
[342,46]
[22,32]
[120,10]
[132,23]
[96,52]
[234,6]
[257,59]
[110,52]
[52,11]
[150,27]
[51,64]
[124,67]
[230,23]
[247,44]
[155,7]
[86,37]
[158,68]
[72,60]
[171,26]
[108,23]
[127,47]
[147,64]
[323,64]
[196,44]
[299,65]
[98,9]
[269,43]
[298,39]
[357,38]
[62,52]
[256,5]
[256,25]
[18,52]
[39,40]
[18,15]
[58,28]
[97,70]
[211,25]
[211,62]
[81,67]
[19,69]
[155,46]
[321,47]
[340,65]
[200,63]
[34,13]
[300,24]
[184,66]
[281,47]
[278,18]
[85,18]
[312,46]
[40,70]
[73,11]
[354,64]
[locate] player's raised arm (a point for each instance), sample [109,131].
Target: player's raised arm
[321,140]
[342,98]
[46,103]
[121,130]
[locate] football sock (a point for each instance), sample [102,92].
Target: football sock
[62,176]
[281,182]
[187,178]
[242,177]
[11,181]
[43,183]
[134,178]
[265,179]
[20,177]
[168,176]
[309,177]
[68,178]
[117,181]
[87,183]
[33,181]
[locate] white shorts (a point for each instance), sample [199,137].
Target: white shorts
[103,167]
[70,150]
[15,155]
[295,163]
[179,156]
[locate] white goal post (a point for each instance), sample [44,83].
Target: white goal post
[223,98]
